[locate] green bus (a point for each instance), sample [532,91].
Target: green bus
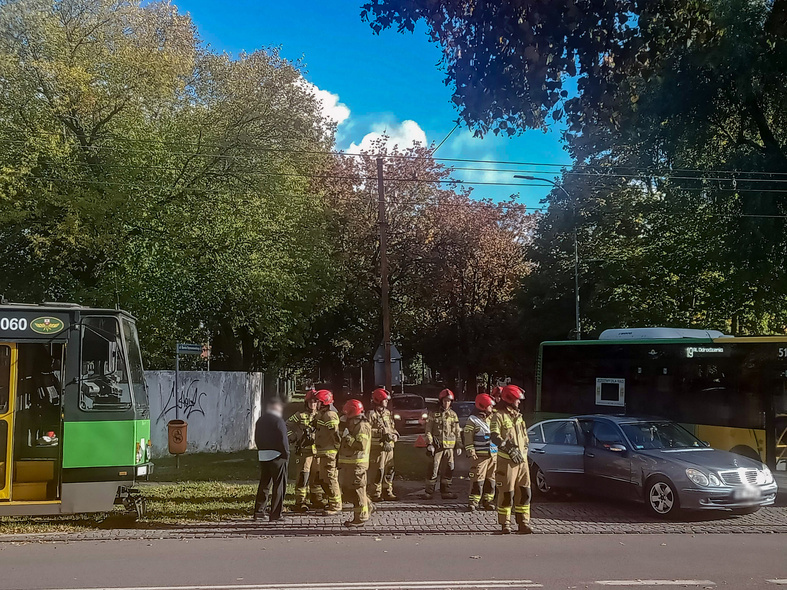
[74,415]
[729,391]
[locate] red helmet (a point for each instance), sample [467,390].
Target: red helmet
[324,396]
[446,393]
[511,393]
[379,395]
[484,402]
[311,394]
[353,408]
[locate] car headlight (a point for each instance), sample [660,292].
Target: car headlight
[424,416]
[397,417]
[713,481]
[698,477]
[764,476]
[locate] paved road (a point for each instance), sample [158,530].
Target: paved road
[408,562]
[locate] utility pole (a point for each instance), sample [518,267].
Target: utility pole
[384,274]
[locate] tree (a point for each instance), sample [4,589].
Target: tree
[140,168]
[454,263]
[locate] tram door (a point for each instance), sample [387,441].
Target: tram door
[7,396]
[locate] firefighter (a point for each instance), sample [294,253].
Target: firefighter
[384,436]
[482,453]
[442,434]
[326,441]
[356,439]
[300,431]
[509,433]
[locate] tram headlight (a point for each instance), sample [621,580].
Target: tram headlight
[141,446]
[397,417]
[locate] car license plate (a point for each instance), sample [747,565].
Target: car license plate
[411,422]
[746,494]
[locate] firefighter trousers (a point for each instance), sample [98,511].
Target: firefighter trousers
[328,476]
[482,479]
[308,481]
[381,467]
[352,478]
[442,467]
[513,491]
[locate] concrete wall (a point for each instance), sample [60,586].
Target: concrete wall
[220,407]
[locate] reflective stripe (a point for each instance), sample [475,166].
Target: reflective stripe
[327,452]
[522,509]
[353,460]
[474,498]
[504,511]
[489,497]
[328,423]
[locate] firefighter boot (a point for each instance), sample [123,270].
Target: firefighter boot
[488,505]
[525,529]
[300,507]
[505,529]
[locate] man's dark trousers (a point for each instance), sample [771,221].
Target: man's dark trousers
[273,474]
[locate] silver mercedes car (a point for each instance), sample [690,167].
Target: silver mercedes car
[649,460]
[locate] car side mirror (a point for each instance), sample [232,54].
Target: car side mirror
[618,448]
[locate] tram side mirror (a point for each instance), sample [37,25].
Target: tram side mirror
[618,448]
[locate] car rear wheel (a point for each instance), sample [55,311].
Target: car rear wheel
[661,499]
[542,486]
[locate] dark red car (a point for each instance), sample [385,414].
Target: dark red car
[409,412]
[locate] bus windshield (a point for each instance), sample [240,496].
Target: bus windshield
[659,435]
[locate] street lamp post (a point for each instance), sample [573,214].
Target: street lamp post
[576,249]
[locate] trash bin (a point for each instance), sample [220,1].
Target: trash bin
[177,439]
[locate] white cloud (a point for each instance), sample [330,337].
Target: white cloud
[403,134]
[333,110]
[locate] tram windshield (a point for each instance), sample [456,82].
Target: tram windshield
[135,364]
[104,383]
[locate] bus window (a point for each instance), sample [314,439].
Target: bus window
[104,382]
[135,364]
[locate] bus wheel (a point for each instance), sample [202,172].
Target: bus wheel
[746,451]
[661,499]
[542,486]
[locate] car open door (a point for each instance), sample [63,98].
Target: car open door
[607,461]
[560,456]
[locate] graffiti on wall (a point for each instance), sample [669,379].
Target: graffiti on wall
[188,401]
[220,408]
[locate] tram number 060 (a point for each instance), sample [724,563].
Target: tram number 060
[13,324]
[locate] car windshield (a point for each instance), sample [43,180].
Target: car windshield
[409,403]
[463,409]
[660,435]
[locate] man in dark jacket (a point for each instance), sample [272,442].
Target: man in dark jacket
[273,448]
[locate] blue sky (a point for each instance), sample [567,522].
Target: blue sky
[388,82]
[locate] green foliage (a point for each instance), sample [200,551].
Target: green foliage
[139,168]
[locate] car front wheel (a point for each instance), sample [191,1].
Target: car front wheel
[661,499]
[543,487]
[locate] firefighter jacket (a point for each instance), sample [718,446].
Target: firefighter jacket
[478,435]
[383,429]
[300,431]
[326,432]
[356,439]
[442,428]
[508,427]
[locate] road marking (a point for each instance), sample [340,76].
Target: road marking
[422,585]
[779,582]
[655,583]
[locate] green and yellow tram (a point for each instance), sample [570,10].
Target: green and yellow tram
[74,416]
